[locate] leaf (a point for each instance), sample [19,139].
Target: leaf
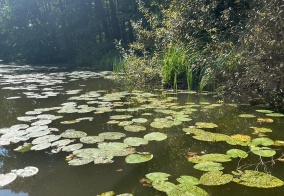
[258,179]
[262,141]
[164,186]
[26,172]
[210,158]
[208,166]
[7,178]
[72,134]
[234,153]
[72,147]
[263,151]
[134,128]
[158,176]
[138,158]
[261,129]
[135,141]
[188,180]
[275,115]
[205,125]
[155,136]
[187,190]
[91,139]
[112,135]
[139,120]
[247,116]
[214,178]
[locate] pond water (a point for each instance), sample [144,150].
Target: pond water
[94,103]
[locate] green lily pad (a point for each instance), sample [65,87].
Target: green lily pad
[213,137]
[263,151]
[214,178]
[24,148]
[103,159]
[164,186]
[158,176]
[209,166]
[120,117]
[275,115]
[139,120]
[112,145]
[258,179]
[45,139]
[125,123]
[194,131]
[155,136]
[112,135]
[108,193]
[188,180]
[264,141]
[26,172]
[265,111]
[135,141]
[210,158]
[134,128]
[138,158]
[7,178]
[234,153]
[261,129]
[72,134]
[72,147]
[162,124]
[247,116]
[91,139]
[41,146]
[187,189]
[61,143]
[205,125]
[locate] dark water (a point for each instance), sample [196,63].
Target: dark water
[57,178]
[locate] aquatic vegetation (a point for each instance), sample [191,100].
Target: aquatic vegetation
[214,178]
[138,158]
[7,178]
[208,166]
[26,172]
[155,136]
[157,176]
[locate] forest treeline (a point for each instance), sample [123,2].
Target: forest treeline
[233,46]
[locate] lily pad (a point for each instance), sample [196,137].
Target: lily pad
[158,176]
[187,189]
[205,125]
[209,166]
[263,151]
[112,135]
[91,139]
[135,141]
[72,147]
[103,159]
[265,111]
[45,139]
[134,128]
[258,179]
[120,117]
[62,142]
[26,172]
[275,115]
[125,123]
[234,153]
[164,186]
[139,120]
[214,178]
[24,148]
[138,158]
[188,180]
[155,136]
[261,129]
[41,146]
[7,178]
[71,134]
[210,158]
[265,120]
[264,141]
[112,145]
[247,116]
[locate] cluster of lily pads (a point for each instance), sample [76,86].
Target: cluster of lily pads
[10,177]
[158,113]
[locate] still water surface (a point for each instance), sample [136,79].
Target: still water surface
[57,178]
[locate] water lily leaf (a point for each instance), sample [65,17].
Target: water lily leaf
[275,115]
[164,186]
[112,145]
[158,176]
[188,180]
[138,158]
[278,143]
[45,139]
[71,134]
[41,146]
[265,120]
[265,111]
[264,141]
[214,178]
[61,143]
[7,178]
[26,172]
[113,122]
[139,120]
[155,136]
[258,179]
[210,158]
[194,131]
[112,135]
[24,148]
[38,133]
[26,118]
[214,137]
[125,194]
[41,122]
[108,193]
[187,189]
[103,159]
[205,125]
[91,139]
[134,128]
[209,166]
[234,153]
[261,129]
[162,124]
[125,123]
[135,141]
[120,117]
[72,147]
[263,151]
[247,116]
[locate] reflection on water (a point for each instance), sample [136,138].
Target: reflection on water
[27,90]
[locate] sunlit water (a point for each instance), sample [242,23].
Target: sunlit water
[56,177]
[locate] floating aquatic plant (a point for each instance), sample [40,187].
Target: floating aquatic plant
[155,136]
[214,178]
[208,166]
[138,158]
[7,178]
[158,176]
